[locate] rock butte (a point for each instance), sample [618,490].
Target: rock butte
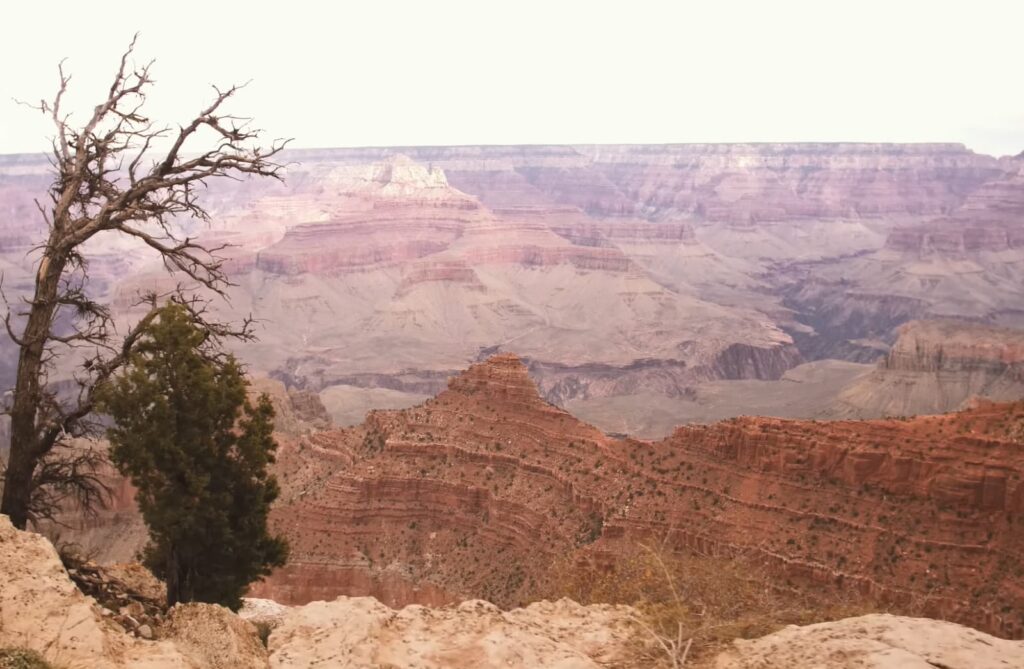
[937,366]
[488,473]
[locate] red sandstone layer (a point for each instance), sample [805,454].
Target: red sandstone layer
[476,491]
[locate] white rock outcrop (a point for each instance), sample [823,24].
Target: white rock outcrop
[397,176]
[42,610]
[875,641]
[352,632]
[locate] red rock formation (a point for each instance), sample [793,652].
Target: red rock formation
[476,491]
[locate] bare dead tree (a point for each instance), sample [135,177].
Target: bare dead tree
[109,179]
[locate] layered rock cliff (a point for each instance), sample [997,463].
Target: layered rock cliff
[592,261]
[474,492]
[968,263]
[715,182]
[937,366]
[399,278]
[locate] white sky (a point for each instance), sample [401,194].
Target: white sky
[366,73]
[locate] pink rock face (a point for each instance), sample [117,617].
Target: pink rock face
[953,346]
[328,248]
[613,269]
[392,225]
[991,220]
[740,183]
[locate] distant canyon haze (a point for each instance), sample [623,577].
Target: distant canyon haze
[643,286]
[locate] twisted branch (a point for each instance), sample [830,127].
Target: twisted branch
[106,181]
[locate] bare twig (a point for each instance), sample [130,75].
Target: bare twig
[105,181]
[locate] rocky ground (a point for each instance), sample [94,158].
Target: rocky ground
[874,642]
[41,609]
[43,615]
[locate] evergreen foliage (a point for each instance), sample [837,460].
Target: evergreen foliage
[197,450]
[109,182]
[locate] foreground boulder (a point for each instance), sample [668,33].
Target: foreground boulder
[876,641]
[213,637]
[42,610]
[353,632]
[43,615]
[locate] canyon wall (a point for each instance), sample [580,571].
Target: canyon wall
[731,183]
[400,279]
[612,269]
[967,263]
[427,502]
[477,492]
[937,366]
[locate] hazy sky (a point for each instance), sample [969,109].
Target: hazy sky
[438,72]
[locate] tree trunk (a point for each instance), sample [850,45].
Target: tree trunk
[173,578]
[26,449]
[18,485]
